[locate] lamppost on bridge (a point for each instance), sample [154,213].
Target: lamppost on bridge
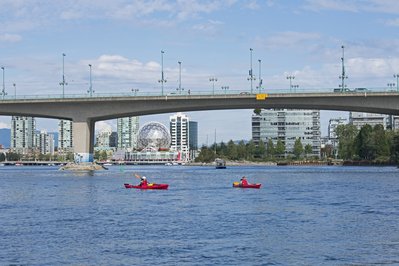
[90,91]
[390,86]
[179,89]
[3,92]
[343,75]
[260,77]
[251,75]
[162,80]
[225,88]
[295,86]
[397,81]
[213,80]
[135,91]
[291,78]
[63,83]
[15,90]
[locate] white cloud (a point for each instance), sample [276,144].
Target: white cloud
[10,37]
[287,39]
[4,125]
[372,6]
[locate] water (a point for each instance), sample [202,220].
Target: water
[300,216]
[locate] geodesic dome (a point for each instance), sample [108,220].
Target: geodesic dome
[153,135]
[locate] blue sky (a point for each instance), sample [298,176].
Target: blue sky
[122,40]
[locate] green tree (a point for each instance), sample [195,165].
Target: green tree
[381,141]
[270,148]
[251,150]
[395,147]
[346,135]
[12,156]
[2,157]
[298,148]
[280,149]
[308,150]
[261,150]
[257,111]
[242,150]
[206,155]
[364,143]
[232,152]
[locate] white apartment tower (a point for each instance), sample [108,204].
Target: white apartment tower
[65,142]
[128,129]
[333,124]
[45,143]
[287,126]
[22,133]
[179,133]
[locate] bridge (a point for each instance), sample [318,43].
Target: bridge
[84,110]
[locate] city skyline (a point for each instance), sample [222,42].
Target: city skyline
[118,46]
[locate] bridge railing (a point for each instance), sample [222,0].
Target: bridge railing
[197,92]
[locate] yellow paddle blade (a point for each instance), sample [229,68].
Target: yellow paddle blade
[150,184]
[236,183]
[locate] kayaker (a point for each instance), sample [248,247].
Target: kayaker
[143,180]
[244,181]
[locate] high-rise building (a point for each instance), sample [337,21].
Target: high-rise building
[45,142]
[128,128]
[288,126]
[113,140]
[22,133]
[65,142]
[184,135]
[359,119]
[102,139]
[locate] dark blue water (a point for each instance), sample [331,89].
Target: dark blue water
[300,216]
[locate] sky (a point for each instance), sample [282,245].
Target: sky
[123,40]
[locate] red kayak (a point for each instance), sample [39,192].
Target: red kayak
[149,186]
[238,184]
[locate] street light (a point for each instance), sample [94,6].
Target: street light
[135,91]
[63,83]
[225,88]
[343,75]
[260,77]
[295,87]
[390,86]
[90,91]
[179,77]
[15,90]
[290,78]
[3,92]
[213,80]
[251,76]
[397,81]
[162,80]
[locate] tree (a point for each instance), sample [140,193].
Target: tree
[206,155]
[364,144]
[298,148]
[232,152]
[257,111]
[261,150]
[280,149]
[309,150]
[380,140]
[2,157]
[270,148]
[242,150]
[251,150]
[346,135]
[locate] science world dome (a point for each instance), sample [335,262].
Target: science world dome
[154,136]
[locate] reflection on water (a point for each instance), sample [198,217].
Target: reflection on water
[301,215]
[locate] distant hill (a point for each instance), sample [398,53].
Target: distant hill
[5,137]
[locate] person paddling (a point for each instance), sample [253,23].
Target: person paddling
[244,181]
[143,180]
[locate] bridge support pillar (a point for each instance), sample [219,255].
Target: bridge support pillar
[83,141]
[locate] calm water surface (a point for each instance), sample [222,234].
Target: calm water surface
[300,216]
